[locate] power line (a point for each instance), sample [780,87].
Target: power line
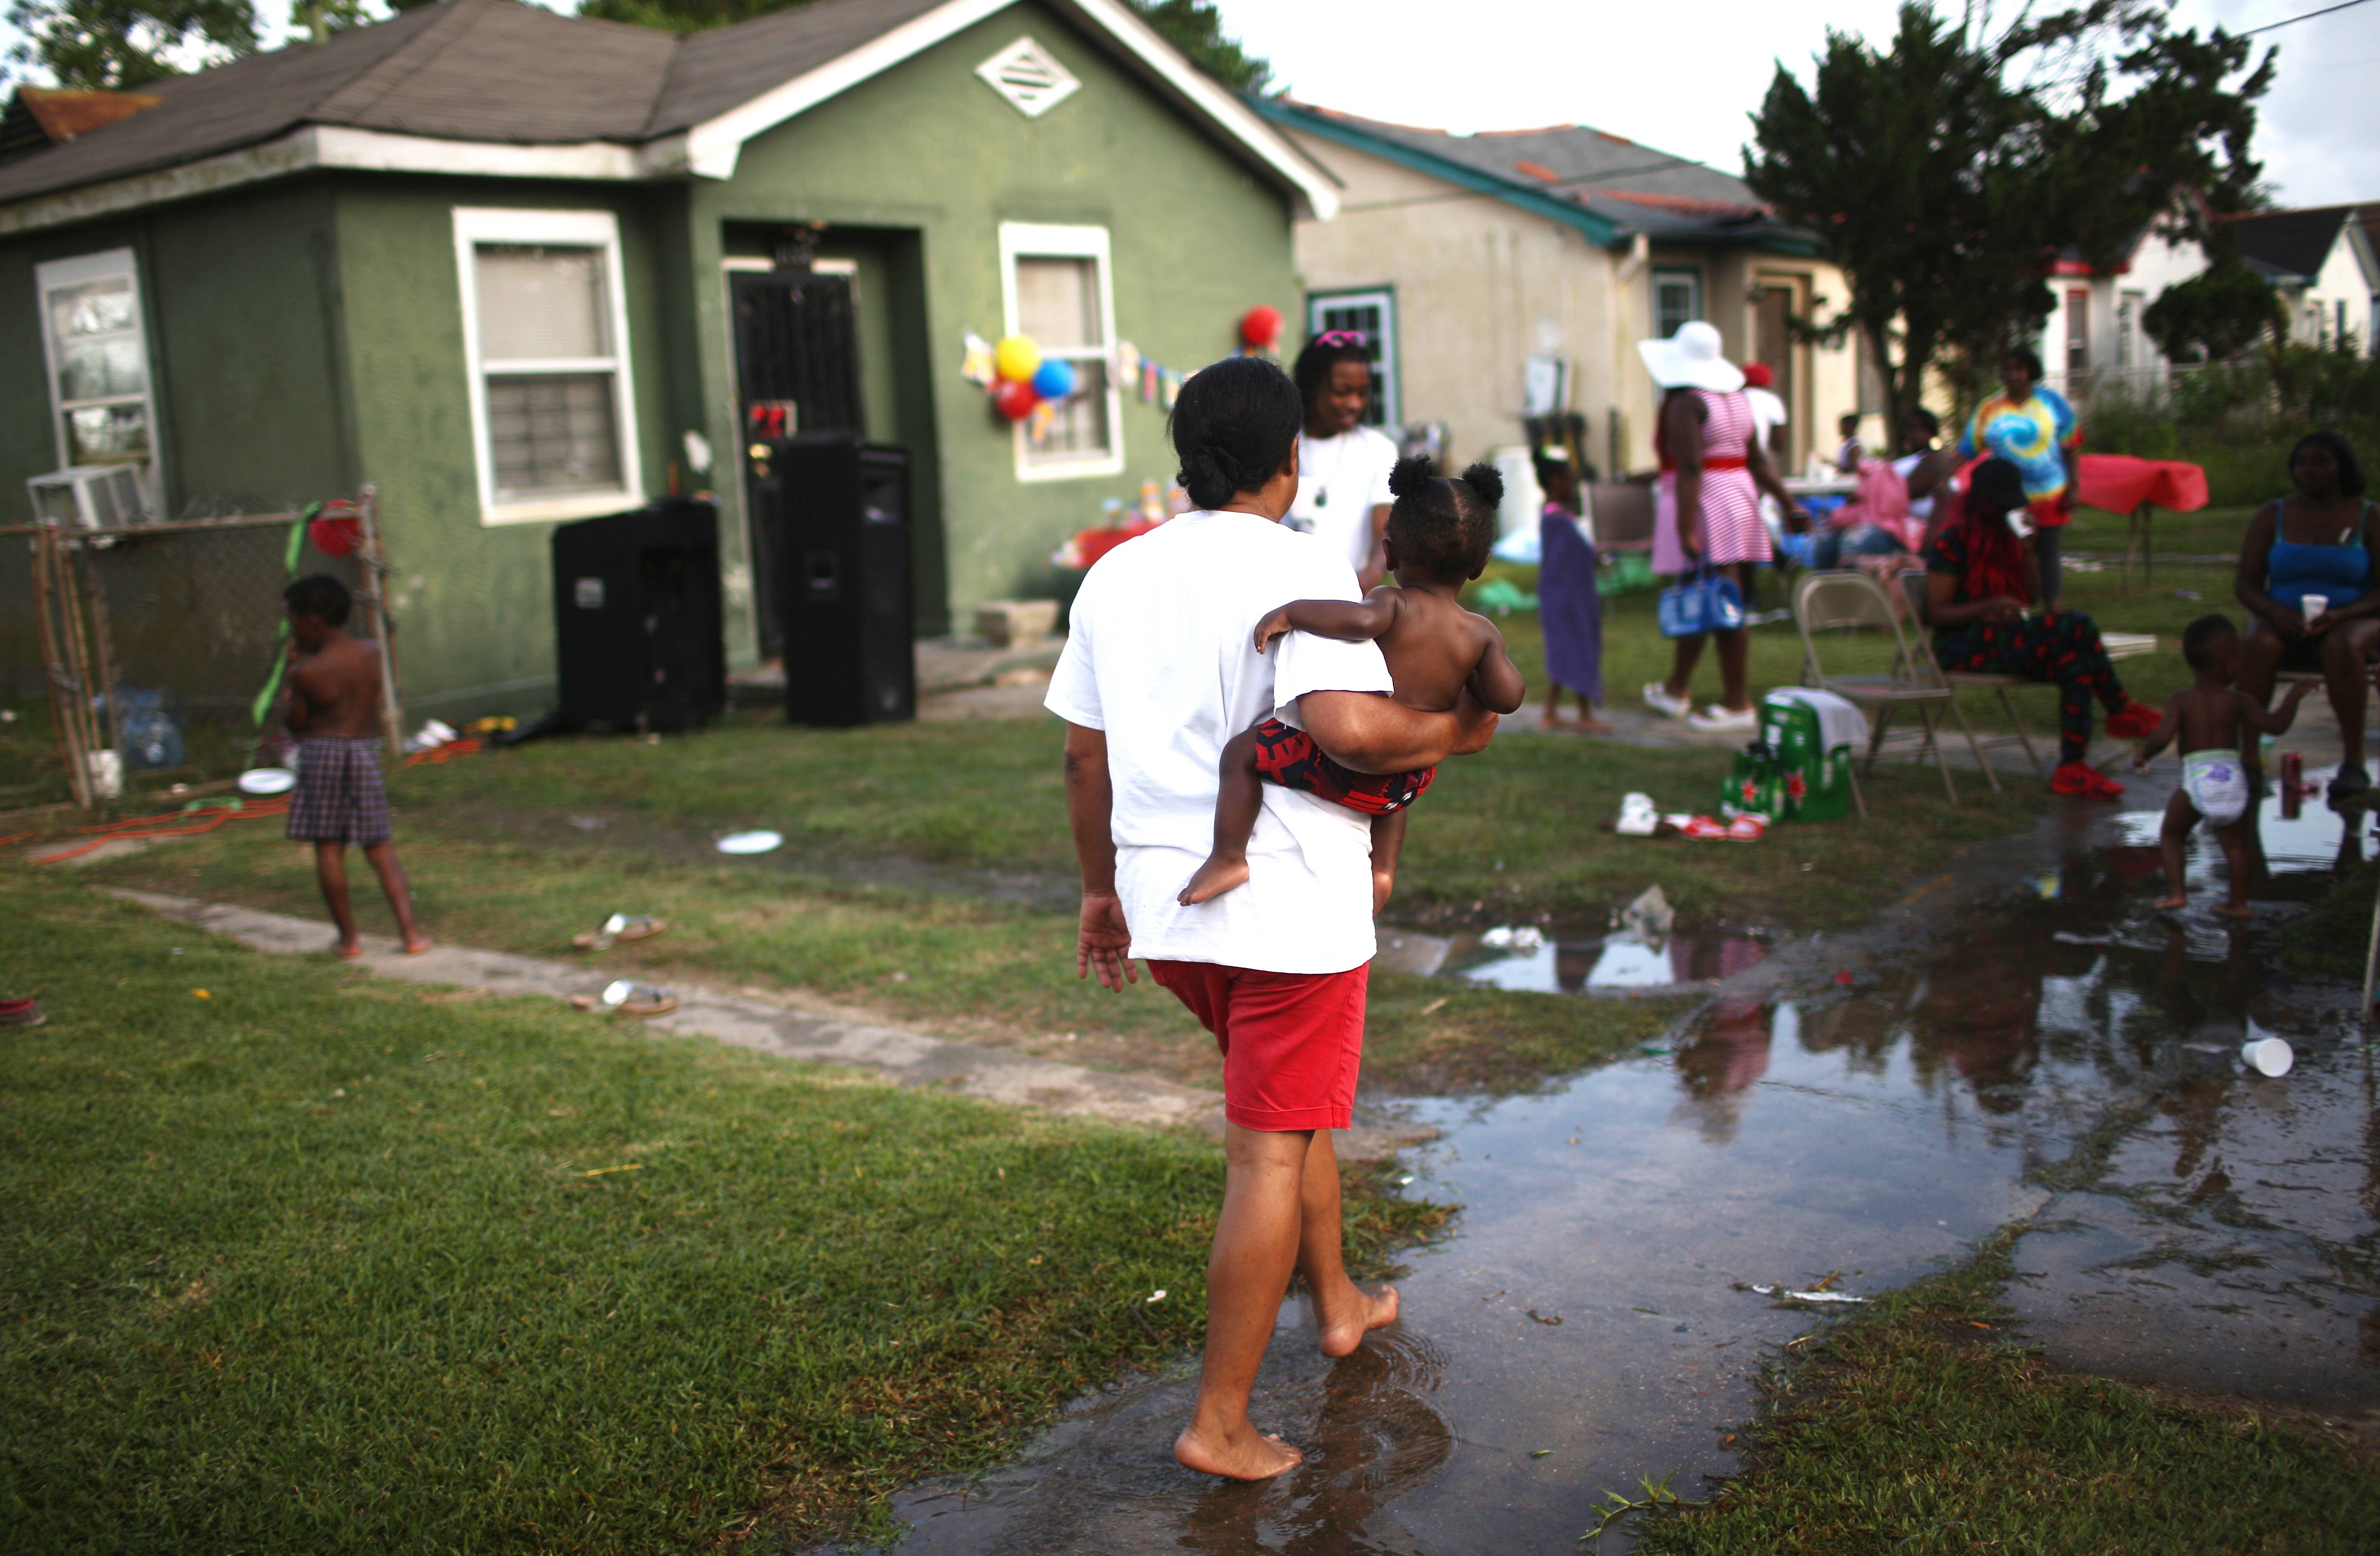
[2343,5]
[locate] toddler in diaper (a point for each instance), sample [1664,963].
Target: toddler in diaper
[2211,719]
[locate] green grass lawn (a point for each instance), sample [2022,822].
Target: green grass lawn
[300,1260]
[1918,1428]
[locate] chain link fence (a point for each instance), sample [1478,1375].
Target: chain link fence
[156,646]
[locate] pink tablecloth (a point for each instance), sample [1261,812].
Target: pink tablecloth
[2119,484]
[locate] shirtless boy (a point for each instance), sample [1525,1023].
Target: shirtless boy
[2211,719]
[333,706]
[1439,535]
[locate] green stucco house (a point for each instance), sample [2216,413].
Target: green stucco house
[480,256]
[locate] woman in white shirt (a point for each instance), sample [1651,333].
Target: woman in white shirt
[1343,466]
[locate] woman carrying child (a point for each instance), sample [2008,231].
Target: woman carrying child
[1160,671]
[1982,577]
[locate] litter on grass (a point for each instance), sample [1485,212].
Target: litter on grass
[750,842]
[1783,1295]
[1505,937]
[1650,914]
[1158,1295]
[267,781]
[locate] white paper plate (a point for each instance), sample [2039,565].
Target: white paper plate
[750,842]
[267,781]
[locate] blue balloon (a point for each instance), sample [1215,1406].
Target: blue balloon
[1054,379]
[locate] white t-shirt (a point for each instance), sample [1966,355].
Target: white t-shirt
[1159,655]
[1905,467]
[1339,482]
[1767,412]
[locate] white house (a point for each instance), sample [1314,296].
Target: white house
[2323,264]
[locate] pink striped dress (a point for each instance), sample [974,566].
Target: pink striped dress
[1731,530]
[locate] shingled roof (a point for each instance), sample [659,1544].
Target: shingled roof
[504,73]
[2291,244]
[1621,188]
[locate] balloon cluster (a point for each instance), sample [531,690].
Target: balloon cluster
[1026,378]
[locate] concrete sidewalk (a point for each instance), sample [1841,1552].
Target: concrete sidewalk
[820,1036]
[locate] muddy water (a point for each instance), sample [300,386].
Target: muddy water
[2058,1052]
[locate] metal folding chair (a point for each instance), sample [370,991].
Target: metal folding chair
[1833,600]
[1912,589]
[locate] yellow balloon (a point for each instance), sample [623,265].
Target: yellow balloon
[1017,357]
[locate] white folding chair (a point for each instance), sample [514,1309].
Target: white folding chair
[1825,601]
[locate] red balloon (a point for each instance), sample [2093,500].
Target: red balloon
[1260,326]
[1015,398]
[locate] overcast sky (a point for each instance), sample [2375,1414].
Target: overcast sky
[1682,76]
[1469,64]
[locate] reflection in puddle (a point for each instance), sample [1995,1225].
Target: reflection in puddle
[2072,1057]
[2321,836]
[1620,961]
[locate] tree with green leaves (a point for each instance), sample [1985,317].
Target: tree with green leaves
[110,45]
[2215,314]
[1946,175]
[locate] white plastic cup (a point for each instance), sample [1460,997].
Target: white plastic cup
[2312,606]
[2270,1057]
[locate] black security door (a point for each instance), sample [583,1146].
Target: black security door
[797,361]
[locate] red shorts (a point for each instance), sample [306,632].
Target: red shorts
[1290,758]
[1291,1043]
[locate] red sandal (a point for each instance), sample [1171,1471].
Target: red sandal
[2083,782]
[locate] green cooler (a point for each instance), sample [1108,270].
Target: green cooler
[1812,737]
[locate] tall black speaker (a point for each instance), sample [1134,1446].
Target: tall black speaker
[637,622]
[837,514]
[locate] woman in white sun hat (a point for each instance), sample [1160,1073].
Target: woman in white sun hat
[1707,504]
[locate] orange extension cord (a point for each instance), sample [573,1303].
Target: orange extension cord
[177,823]
[186,823]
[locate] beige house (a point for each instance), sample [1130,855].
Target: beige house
[1515,271]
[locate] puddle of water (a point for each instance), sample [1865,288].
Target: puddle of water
[1587,1303]
[1618,961]
[2320,837]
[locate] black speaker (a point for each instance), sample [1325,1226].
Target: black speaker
[837,514]
[637,620]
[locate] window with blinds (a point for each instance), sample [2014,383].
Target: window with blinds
[552,377]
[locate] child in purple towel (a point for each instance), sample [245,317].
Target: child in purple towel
[331,704]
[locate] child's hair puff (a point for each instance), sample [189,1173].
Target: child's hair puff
[1440,524]
[2198,639]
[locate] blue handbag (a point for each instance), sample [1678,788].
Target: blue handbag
[1704,601]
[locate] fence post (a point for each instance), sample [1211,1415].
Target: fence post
[103,647]
[392,716]
[55,670]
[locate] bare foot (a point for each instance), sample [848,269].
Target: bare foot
[1342,1335]
[2235,910]
[346,950]
[1250,1457]
[1593,725]
[417,944]
[2179,899]
[1214,878]
[1555,721]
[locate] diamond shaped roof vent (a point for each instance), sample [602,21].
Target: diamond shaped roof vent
[1027,74]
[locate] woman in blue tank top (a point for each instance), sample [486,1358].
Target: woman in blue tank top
[2318,542]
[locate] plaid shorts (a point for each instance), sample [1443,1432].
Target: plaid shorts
[1291,758]
[340,797]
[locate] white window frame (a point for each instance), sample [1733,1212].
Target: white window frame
[1693,275]
[579,229]
[1385,383]
[105,265]
[1037,240]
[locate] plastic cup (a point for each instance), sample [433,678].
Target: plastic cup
[2312,606]
[2270,1057]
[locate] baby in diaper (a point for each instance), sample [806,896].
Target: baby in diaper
[2211,719]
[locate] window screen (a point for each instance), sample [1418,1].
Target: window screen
[1058,305]
[102,362]
[552,374]
[1677,301]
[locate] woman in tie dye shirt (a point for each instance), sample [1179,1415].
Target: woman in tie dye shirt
[2033,429]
